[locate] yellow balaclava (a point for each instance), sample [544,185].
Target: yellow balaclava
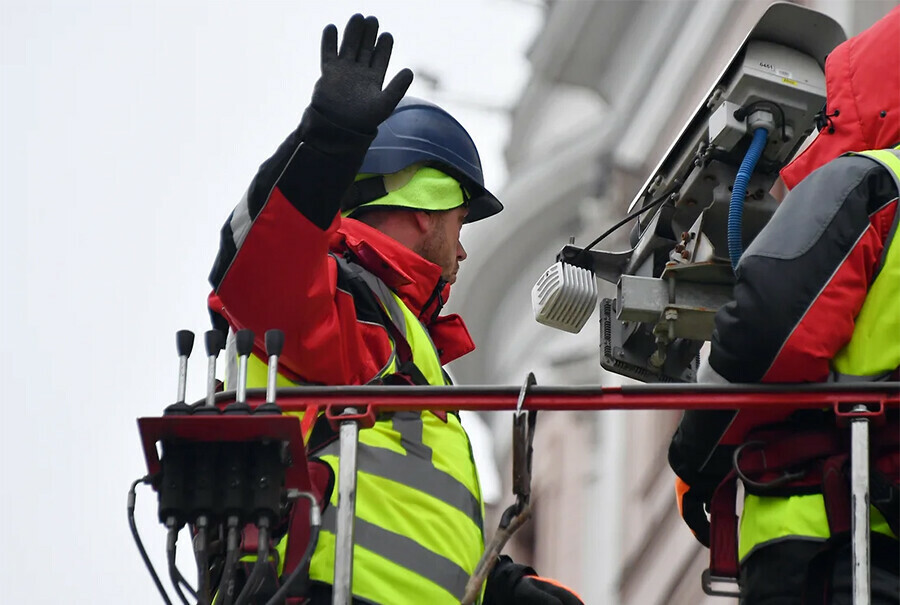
[418,187]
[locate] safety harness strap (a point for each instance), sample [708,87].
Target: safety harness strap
[781,462]
[723,547]
[836,492]
[723,526]
[363,191]
[392,316]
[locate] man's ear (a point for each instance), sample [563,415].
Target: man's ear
[423,221]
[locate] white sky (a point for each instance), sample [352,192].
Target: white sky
[128,131]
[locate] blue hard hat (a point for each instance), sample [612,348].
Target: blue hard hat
[421,132]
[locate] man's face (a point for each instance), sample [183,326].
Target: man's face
[441,244]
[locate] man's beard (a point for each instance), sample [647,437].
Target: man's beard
[434,249]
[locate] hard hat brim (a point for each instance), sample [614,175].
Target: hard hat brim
[483,206]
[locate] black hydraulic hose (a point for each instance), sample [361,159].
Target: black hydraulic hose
[174,575]
[201,552]
[132,500]
[225,589]
[183,581]
[298,571]
[315,523]
[259,568]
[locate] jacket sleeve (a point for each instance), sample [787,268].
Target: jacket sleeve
[273,269]
[803,280]
[694,452]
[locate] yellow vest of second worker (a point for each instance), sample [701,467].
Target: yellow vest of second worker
[873,351]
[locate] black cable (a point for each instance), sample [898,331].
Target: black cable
[231,555]
[132,500]
[259,568]
[625,220]
[174,574]
[298,571]
[201,553]
[183,581]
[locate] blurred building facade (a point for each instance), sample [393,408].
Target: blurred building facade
[612,84]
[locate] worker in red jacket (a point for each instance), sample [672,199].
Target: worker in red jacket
[348,241]
[817,299]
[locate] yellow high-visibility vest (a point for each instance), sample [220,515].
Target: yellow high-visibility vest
[873,351]
[419,511]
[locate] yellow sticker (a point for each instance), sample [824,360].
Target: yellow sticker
[789,81]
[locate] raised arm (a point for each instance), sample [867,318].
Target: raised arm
[273,268]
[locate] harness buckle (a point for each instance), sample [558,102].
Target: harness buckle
[762,486]
[710,581]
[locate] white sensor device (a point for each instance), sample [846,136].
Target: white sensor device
[564,297]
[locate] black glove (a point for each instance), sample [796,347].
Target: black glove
[349,92]
[513,584]
[534,590]
[691,505]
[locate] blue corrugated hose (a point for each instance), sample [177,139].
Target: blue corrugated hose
[739,192]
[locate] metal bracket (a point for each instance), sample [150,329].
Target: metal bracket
[523,437]
[516,515]
[337,415]
[647,300]
[845,413]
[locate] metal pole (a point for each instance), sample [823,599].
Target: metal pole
[346,511]
[859,498]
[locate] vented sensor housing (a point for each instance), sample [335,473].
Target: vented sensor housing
[564,297]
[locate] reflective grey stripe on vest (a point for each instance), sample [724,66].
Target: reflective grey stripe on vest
[414,469]
[379,289]
[405,552]
[839,377]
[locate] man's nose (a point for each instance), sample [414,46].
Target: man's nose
[460,252]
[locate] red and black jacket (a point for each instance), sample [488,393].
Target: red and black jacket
[276,266]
